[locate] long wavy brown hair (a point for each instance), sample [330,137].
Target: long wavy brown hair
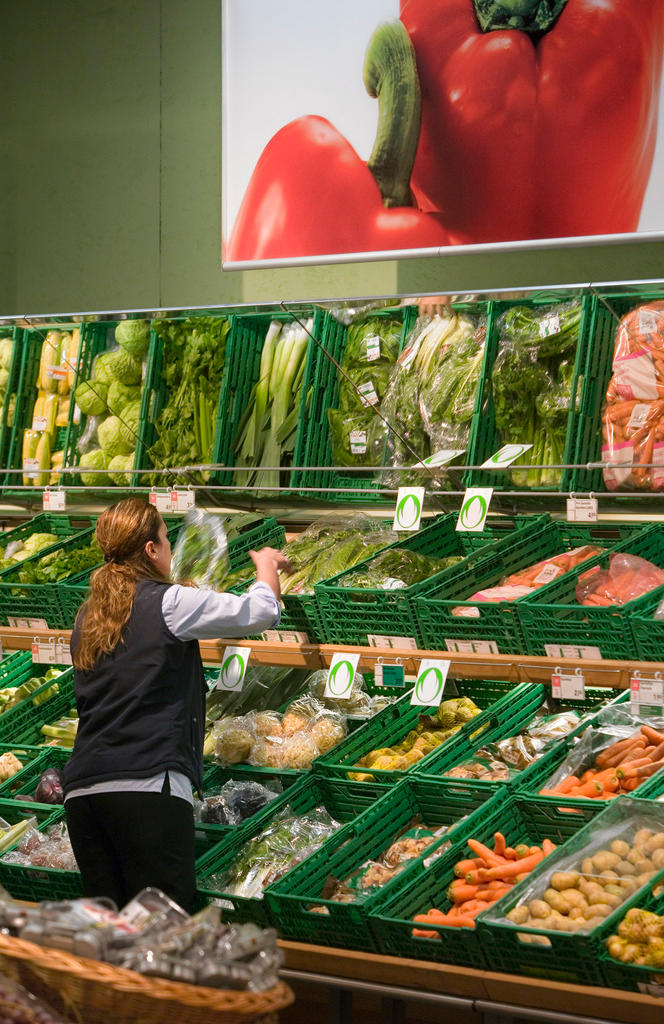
[122,532]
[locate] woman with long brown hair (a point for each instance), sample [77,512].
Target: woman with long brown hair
[140,694]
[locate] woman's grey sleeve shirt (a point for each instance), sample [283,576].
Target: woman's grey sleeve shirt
[192,614]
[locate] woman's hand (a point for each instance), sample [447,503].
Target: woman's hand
[269,563]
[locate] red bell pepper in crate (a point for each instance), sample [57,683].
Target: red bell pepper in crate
[310,193]
[539,117]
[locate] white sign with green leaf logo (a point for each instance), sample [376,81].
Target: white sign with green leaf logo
[430,685]
[407,514]
[474,510]
[440,458]
[506,456]
[233,668]
[341,676]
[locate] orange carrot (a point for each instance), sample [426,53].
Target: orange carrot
[459,893]
[642,771]
[487,855]
[591,789]
[624,770]
[506,871]
[567,784]
[548,847]
[499,844]
[657,753]
[420,933]
[652,735]
[462,867]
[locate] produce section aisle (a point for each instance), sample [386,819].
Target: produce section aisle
[451,990]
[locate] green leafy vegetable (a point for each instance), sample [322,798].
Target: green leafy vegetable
[395,569]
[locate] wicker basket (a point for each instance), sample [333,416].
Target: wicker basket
[93,992]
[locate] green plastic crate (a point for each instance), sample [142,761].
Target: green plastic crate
[485,437]
[566,956]
[462,748]
[360,486]
[28,754]
[351,614]
[497,700]
[347,925]
[60,524]
[302,798]
[22,723]
[243,356]
[25,782]
[608,306]
[499,623]
[520,821]
[12,388]
[555,617]
[156,395]
[34,884]
[216,776]
[648,632]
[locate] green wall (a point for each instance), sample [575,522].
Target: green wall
[110,172]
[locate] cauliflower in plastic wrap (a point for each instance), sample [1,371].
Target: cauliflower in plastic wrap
[266,723]
[299,751]
[326,732]
[233,741]
[294,721]
[268,752]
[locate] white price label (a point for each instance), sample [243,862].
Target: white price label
[440,458]
[474,510]
[430,684]
[368,393]
[358,442]
[582,510]
[54,501]
[44,652]
[233,669]
[640,414]
[506,456]
[182,501]
[587,653]
[547,573]
[549,325]
[472,647]
[568,686]
[397,643]
[284,636]
[373,348]
[161,500]
[39,423]
[647,691]
[408,511]
[62,651]
[56,372]
[341,675]
[31,468]
[649,321]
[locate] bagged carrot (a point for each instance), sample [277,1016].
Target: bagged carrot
[627,578]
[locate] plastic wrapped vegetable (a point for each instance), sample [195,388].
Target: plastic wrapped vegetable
[49,788]
[200,555]
[395,569]
[235,802]
[627,578]
[633,416]
[286,841]
[329,547]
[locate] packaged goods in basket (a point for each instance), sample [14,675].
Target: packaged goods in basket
[532,381]
[371,876]
[200,554]
[430,732]
[358,704]
[153,936]
[17,1005]
[236,801]
[640,937]
[627,578]
[504,759]
[615,755]
[482,880]
[582,886]
[430,399]
[269,739]
[525,581]
[396,569]
[264,688]
[371,350]
[633,416]
[285,842]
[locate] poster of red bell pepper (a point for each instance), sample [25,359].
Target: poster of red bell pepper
[378,129]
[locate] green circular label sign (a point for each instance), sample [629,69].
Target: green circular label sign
[409,510]
[340,678]
[511,451]
[473,512]
[429,687]
[232,672]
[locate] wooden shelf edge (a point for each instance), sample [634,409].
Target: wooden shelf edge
[516,668]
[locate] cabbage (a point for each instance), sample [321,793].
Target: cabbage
[4,378]
[133,336]
[94,459]
[49,788]
[120,467]
[110,439]
[91,398]
[131,416]
[120,396]
[6,349]
[117,365]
